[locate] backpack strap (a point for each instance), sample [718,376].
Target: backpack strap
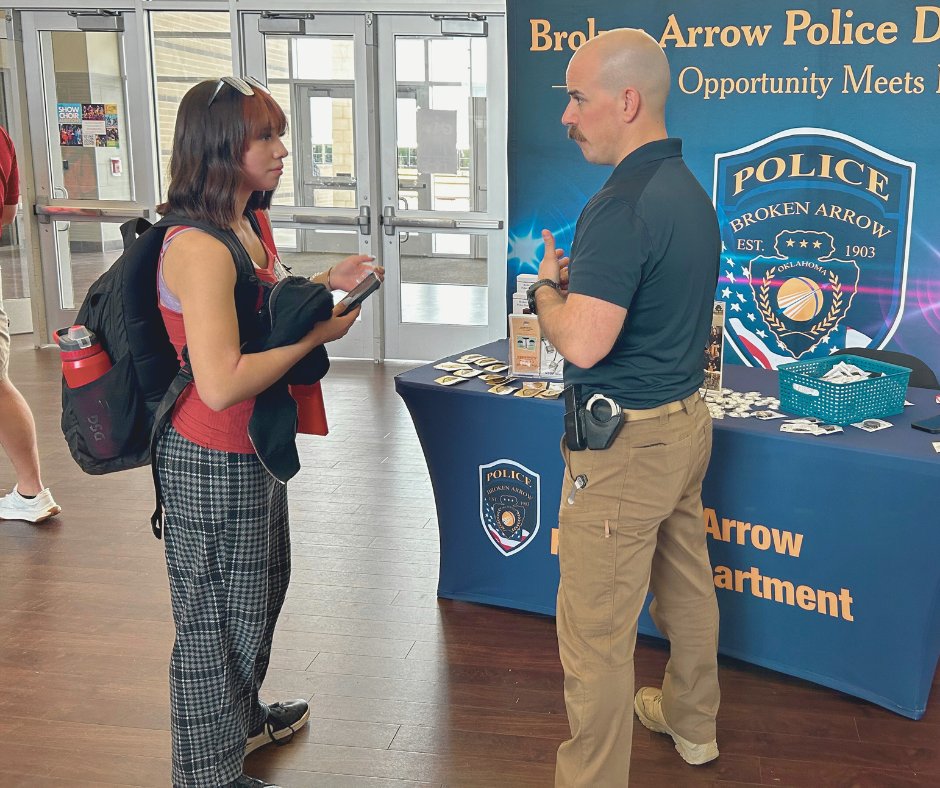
[245,271]
[132,229]
[244,267]
[160,420]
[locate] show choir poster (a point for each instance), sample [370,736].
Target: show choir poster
[813,126]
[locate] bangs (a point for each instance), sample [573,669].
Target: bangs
[263,115]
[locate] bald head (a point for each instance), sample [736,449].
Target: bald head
[629,58]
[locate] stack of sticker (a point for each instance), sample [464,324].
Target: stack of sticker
[492,372]
[810,425]
[738,405]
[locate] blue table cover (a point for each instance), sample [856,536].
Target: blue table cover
[826,549]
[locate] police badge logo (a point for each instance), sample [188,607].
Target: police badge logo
[509,505]
[815,232]
[804,292]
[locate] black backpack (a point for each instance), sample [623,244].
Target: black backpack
[112,423]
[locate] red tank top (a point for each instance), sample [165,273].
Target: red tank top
[225,430]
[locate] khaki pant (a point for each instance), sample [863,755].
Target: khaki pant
[636,526]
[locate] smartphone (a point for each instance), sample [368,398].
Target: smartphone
[928,425]
[360,292]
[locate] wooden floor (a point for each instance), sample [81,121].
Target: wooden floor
[405,689]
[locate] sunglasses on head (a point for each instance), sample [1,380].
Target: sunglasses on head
[244,85]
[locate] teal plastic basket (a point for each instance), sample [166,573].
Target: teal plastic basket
[804,393]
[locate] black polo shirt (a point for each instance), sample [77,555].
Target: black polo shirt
[648,241]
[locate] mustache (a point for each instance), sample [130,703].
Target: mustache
[574,134]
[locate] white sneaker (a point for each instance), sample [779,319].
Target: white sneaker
[14,506]
[649,708]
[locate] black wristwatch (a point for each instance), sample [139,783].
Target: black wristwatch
[530,293]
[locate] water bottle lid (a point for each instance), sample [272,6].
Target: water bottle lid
[75,338]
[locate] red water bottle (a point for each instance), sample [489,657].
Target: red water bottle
[311,414]
[83,358]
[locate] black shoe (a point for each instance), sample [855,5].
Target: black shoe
[284,720]
[250,782]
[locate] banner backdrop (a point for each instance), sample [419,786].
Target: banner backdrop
[814,128]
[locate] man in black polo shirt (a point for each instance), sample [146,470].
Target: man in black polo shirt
[632,324]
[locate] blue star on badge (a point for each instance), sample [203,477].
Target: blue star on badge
[751,316]
[741,297]
[726,293]
[729,261]
[729,276]
[735,307]
[761,333]
[825,339]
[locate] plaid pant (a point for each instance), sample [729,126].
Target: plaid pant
[228,559]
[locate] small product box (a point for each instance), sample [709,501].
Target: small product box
[520,304]
[524,282]
[525,341]
[551,363]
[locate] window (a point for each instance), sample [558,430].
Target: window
[322,153]
[407,157]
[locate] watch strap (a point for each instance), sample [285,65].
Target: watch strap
[530,293]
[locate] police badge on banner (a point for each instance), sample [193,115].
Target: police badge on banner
[509,505]
[815,227]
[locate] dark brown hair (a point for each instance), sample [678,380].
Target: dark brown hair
[209,144]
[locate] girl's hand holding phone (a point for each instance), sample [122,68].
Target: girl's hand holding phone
[349,272]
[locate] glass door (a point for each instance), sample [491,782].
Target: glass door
[90,130]
[442,107]
[322,210]
[397,128]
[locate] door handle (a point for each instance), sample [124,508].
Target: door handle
[390,221]
[363,220]
[86,210]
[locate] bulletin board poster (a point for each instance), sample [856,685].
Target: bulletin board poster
[812,127]
[88,125]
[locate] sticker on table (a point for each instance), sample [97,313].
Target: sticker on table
[449,380]
[872,425]
[450,366]
[509,505]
